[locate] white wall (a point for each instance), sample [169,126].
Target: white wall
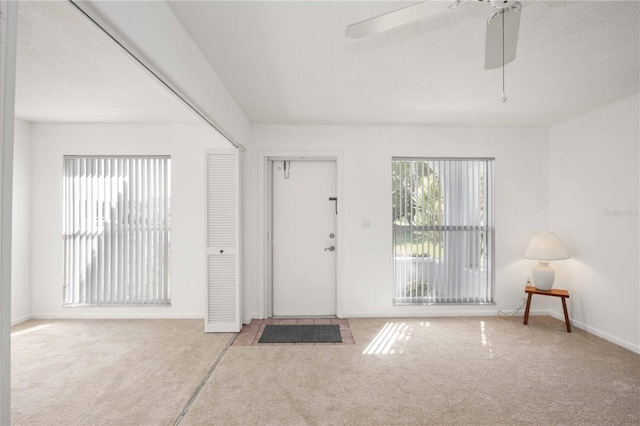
[521,192]
[186,144]
[20,247]
[594,209]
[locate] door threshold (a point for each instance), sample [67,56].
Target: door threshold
[303,316]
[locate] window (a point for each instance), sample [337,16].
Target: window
[116,231]
[442,230]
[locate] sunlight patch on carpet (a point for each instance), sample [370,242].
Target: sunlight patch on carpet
[386,338]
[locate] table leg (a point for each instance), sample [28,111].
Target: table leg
[526,311]
[566,315]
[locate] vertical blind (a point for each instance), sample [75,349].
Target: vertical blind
[442,230]
[116,230]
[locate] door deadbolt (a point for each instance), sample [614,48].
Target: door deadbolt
[332,235]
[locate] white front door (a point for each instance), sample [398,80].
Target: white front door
[304,238]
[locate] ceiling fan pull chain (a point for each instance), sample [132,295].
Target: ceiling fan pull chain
[504,95]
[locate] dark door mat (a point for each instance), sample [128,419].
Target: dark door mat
[301,334]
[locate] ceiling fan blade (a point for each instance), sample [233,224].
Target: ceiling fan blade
[493,50]
[396,18]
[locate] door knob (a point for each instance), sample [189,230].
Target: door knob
[332,248]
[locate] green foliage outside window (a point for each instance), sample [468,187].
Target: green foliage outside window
[418,203]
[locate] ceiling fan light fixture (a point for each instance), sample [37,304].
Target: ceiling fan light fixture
[512,5]
[502,4]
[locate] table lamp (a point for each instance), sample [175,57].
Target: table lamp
[544,247]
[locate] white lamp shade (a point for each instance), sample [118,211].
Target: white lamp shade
[545,246]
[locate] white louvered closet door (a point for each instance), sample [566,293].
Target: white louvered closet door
[223,254]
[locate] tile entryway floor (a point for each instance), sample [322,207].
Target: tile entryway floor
[251,333]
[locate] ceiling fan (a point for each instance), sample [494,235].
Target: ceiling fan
[503,25]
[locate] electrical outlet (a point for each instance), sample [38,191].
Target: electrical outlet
[528,280]
[366,224]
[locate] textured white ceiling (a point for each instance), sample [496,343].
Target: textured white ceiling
[290,62]
[68,70]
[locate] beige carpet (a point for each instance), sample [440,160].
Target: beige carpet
[478,371]
[116,372]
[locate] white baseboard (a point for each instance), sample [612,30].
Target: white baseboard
[596,332]
[21,319]
[143,315]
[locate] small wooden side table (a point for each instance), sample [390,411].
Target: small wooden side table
[563,294]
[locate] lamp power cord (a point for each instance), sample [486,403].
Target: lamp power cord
[509,314]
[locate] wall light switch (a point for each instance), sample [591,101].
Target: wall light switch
[366,224]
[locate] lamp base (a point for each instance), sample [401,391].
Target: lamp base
[543,276]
